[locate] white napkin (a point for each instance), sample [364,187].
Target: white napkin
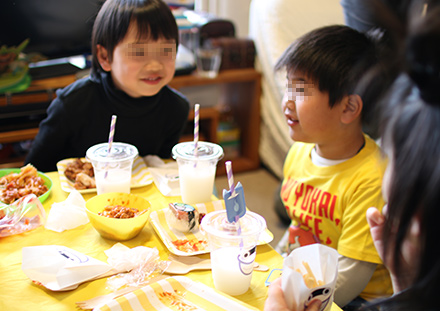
[68,214]
[165,175]
[60,268]
[323,262]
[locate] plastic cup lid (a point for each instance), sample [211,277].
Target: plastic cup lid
[216,223]
[120,151]
[205,151]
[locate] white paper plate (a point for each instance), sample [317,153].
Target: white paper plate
[176,293]
[170,235]
[140,175]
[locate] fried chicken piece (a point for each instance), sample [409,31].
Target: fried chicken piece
[84,181]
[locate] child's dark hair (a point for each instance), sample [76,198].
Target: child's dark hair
[411,131]
[153,18]
[335,57]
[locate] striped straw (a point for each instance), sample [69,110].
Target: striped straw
[111,134]
[228,165]
[196,127]
[110,138]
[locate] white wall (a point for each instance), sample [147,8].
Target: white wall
[236,11]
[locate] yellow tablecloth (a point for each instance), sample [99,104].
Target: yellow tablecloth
[19,293]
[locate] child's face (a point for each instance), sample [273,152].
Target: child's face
[307,111]
[142,68]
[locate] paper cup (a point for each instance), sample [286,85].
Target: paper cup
[309,274]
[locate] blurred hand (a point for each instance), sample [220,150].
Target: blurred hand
[276,302]
[376,221]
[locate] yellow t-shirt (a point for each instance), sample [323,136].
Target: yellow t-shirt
[328,205]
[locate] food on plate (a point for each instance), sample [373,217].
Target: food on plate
[183,217]
[120,211]
[189,246]
[309,277]
[81,174]
[16,185]
[176,301]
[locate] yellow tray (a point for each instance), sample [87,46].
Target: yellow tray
[169,235]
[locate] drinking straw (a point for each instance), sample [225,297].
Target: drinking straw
[111,134]
[230,176]
[110,138]
[228,165]
[196,127]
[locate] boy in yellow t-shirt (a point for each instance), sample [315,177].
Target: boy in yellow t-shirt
[333,171]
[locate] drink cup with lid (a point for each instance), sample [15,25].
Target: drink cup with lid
[112,166]
[197,168]
[233,249]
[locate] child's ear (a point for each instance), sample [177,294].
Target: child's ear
[352,108]
[103,58]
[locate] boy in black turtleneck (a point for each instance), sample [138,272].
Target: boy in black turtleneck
[134,50]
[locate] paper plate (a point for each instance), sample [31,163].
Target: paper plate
[175,293]
[140,175]
[47,181]
[170,235]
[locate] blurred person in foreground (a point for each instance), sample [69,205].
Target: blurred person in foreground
[406,232]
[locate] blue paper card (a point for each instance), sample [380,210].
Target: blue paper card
[235,205]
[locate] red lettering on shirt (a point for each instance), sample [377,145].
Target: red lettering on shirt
[298,192]
[314,201]
[318,231]
[286,189]
[305,203]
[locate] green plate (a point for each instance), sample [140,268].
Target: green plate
[47,181]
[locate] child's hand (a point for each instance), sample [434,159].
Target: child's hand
[276,302]
[376,221]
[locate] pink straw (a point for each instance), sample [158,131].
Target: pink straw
[110,138]
[228,165]
[196,127]
[111,134]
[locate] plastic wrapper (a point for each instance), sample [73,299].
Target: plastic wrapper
[309,274]
[25,214]
[142,263]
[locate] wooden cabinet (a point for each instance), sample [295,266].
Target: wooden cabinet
[240,89]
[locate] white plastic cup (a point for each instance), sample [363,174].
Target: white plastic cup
[208,61]
[112,171]
[197,172]
[232,254]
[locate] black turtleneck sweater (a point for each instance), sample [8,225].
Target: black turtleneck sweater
[79,117]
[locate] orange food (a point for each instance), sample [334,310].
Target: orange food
[190,246]
[119,211]
[176,301]
[16,185]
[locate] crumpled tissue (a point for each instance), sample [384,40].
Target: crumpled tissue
[68,214]
[165,175]
[309,273]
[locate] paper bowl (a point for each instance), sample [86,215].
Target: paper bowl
[115,228]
